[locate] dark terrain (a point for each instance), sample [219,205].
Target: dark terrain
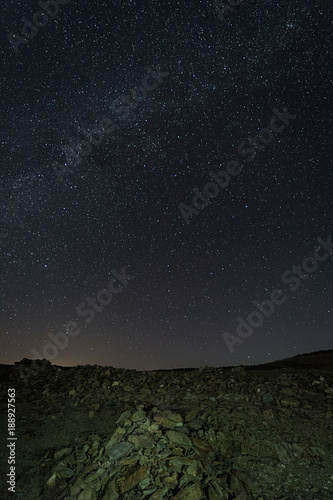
[239,433]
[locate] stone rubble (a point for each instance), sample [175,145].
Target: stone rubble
[208,433]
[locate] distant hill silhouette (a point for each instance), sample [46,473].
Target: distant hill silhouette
[320,360]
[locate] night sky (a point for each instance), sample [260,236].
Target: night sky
[166,167]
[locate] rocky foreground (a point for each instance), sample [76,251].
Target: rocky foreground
[93,432]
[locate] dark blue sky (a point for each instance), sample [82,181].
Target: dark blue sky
[192,88]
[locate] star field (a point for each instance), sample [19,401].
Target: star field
[207,86]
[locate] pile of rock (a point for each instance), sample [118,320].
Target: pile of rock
[93,432]
[155,456]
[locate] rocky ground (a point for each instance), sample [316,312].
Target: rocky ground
[92,432]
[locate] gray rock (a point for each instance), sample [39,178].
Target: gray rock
[63,471]
[138,416]
[141,441]
[87,494]
[124,416]
[267,398]
[119,450]
[192,492]
[179,439]
[64,452]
